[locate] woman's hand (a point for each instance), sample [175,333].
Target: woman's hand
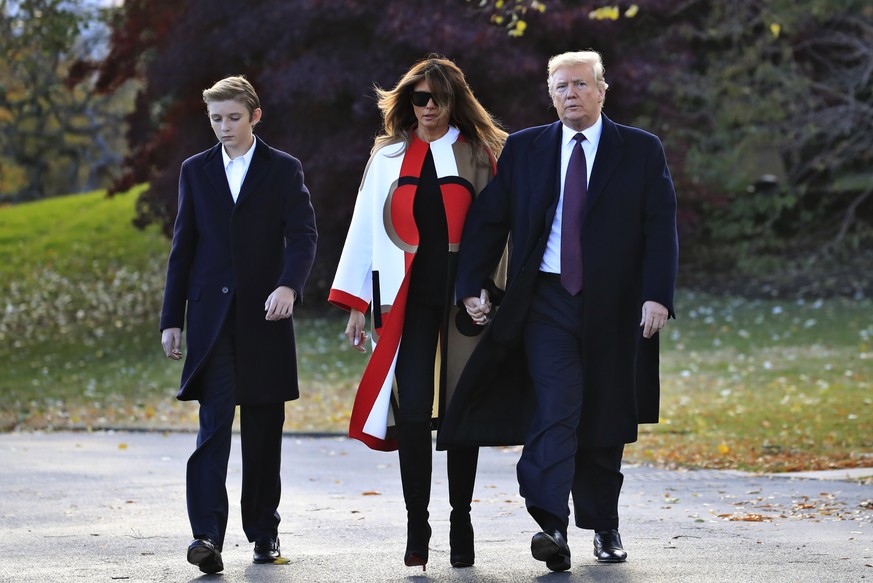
[355,330]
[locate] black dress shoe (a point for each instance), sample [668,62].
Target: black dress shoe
[607,547]
[205,554]
[552,548]
[266,550]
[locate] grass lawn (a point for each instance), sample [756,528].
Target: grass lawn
[748,384]
[776,385]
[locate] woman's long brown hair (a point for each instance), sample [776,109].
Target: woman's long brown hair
[450,90]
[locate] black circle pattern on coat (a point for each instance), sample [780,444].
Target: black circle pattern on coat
[465,324]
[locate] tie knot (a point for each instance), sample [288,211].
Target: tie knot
[580,137]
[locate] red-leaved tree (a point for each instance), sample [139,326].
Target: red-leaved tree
[314,64]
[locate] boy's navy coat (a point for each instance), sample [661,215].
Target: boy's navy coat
[228,258]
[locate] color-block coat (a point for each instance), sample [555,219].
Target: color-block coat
[375,266]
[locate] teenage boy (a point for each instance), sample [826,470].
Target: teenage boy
[243,245]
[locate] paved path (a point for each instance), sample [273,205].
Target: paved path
[110,506]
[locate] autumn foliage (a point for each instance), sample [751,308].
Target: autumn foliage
[315,64]
[737,92]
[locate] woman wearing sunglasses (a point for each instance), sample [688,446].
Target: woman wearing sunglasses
[437,150]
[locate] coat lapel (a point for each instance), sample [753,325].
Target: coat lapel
[258,169]
[609,153]
[213,166]
[544,163]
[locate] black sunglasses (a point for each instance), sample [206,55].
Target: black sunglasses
[420,98]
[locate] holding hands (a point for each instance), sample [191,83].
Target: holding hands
[479,309]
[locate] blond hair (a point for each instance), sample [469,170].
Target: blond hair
[573,58]
[235,88]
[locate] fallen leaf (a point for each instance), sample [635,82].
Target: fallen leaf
[751,517]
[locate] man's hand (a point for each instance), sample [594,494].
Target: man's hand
[654,317]
[478,308]
[171,341]
[280,303]
[355,330]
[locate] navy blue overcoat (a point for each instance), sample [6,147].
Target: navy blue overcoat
[630,255]
[227,258]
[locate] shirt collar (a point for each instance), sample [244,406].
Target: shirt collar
[592,134]
[247,157]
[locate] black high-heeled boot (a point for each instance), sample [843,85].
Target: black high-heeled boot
[417,540]
[462,477]
[415,451]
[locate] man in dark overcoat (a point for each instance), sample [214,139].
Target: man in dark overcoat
[243,245]
[590,209]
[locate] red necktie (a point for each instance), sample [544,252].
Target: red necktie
[572,216]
